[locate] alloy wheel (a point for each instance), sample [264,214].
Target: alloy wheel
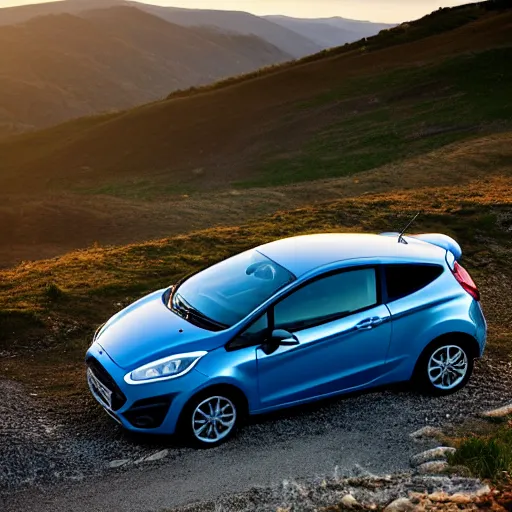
[213,419]
[447,367]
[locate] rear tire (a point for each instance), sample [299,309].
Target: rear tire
[444,368]
[210,419]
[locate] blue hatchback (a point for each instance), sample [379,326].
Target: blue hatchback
[287,323]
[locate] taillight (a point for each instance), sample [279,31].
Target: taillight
[463,277]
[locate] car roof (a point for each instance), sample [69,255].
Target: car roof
[302,254]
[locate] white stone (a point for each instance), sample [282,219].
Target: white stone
[460,498]
[427,431]
[438,496]
[400,505]
[485,489]
[498,413]
[156,456]
[439,453]
[349,501]
[432,467]
[118,463]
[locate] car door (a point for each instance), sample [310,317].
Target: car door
[343,337]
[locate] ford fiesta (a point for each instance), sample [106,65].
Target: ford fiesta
[287,323]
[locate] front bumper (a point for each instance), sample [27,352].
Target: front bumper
[150,408]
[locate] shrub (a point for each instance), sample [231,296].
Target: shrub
[488,456]
[53,292]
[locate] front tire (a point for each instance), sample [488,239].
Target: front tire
[210,419]
[444,368]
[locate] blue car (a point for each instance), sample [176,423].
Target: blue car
[287,323]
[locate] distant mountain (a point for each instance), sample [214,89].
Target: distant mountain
[330,32]
[237,22]
[56,67]
[24,13]
[279,35]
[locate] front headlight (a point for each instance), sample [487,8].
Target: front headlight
[163,369]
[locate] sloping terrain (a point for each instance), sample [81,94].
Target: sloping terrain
[330,32]
[222,126]
[188,162]
[57,67]
[355,140]
[49,310]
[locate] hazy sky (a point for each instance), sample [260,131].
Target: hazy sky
[373,10]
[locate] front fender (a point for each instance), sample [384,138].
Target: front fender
[236,368]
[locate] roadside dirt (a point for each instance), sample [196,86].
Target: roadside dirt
[45,455]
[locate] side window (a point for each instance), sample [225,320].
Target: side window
[326,299]
[253,335]
[403,280]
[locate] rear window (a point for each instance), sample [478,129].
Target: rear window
[403,280]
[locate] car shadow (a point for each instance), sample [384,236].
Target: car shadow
[313,407]
[160,441]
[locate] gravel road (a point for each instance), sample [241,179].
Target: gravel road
[55,467]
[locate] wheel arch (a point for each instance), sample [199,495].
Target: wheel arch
[465,339]
[233,391]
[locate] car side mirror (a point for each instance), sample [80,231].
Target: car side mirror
[284,338]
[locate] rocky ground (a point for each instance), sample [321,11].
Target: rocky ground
[38,448]
[399,493]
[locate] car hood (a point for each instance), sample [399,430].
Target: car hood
[148,330]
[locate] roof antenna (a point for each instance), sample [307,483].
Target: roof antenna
[401,239]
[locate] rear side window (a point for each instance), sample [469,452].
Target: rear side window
[403,280]
[327,299]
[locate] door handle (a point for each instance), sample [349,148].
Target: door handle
[369,323]
[364,325]
[376,320]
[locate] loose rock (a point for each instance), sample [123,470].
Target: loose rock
[426,432]
[439,453]
[349,501]
[118,463]
[400,505]
[439,496]
[432,467]
[498,413]
[460,499]
[157,456]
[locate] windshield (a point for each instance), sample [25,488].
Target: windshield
[227,292]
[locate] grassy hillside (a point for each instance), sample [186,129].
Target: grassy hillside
[173,165]
[197,161]
[63,66]
[228,127]
[49,309]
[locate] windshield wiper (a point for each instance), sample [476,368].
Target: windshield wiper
[187,311]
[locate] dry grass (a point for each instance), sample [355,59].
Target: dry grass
[42,227]
[186,164]
[49,309]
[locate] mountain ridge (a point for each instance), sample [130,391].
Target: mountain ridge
[331,32]
[61,66]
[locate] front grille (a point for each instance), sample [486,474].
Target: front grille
[118,398]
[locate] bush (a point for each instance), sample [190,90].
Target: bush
[486,457]
[53,292]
